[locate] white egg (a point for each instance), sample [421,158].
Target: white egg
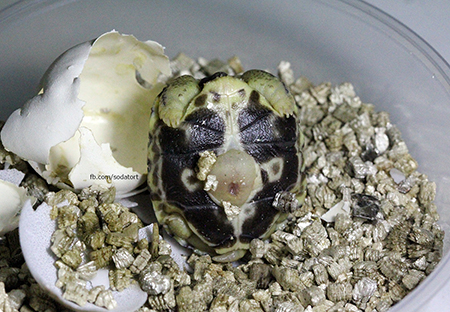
[89,123]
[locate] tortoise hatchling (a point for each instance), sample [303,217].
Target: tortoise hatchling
[225,160]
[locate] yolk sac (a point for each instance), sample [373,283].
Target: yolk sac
[235,172]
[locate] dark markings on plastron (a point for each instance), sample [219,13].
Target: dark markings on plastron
[180,147]
[207,119]
[180,151]
[263,134]
[254,114]
[264,176]
[174,187]
[261,221]
[206,132]
[265,213]
[212,224]
[197,206]
[172,140]
[275,168]
[261,143]
[192,179]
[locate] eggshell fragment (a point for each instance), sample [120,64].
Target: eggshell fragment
[341,207]
[106,86]
[98,158]
[35,231]
[12,199]
[52,116]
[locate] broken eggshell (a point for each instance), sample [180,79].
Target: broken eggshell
[12,199]
[35,231]
[89,123]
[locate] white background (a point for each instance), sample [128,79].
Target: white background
[430,19]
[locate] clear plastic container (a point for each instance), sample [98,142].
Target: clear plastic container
[325,40]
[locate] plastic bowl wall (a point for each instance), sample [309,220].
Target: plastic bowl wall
[325,40]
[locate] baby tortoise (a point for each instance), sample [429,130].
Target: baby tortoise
[221,151]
